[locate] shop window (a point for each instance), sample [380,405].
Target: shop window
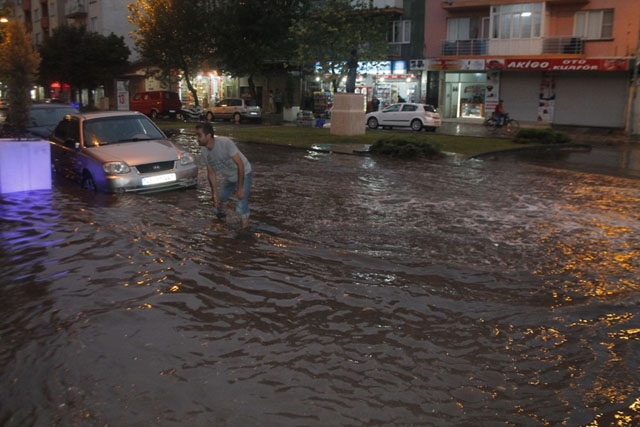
[594,24]
[400,32]
[516,21]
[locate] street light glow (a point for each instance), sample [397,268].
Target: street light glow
[4,20]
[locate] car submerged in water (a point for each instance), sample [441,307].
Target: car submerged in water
[118,152]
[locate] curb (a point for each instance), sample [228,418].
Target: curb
[568,147]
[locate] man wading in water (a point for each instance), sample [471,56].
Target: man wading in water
[221,155]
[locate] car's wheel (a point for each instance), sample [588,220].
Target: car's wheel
[416,125]
[209,116]
[372,123]
[153,115]
[236,118]
[88,183]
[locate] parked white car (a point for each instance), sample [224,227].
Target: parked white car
[415,116]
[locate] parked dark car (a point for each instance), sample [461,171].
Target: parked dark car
[156,103]
[120,151]
[43,118]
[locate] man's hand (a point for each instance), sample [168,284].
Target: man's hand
[240,193]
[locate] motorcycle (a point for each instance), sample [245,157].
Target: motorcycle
[193,113]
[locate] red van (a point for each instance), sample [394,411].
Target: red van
[156,103]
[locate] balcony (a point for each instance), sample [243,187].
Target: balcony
[534,46]
[75,9]
[563,44]
[465,47]
[26,4]
[44,22]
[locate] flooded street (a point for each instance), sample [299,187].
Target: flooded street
[370,291]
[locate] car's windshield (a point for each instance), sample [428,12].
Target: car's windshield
[119,129]
[49,116]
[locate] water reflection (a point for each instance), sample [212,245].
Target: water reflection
[371,291]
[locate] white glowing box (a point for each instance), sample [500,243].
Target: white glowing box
[24,165]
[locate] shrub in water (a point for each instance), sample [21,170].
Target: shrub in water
[404,148]
[542,136]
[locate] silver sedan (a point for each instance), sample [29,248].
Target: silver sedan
[120,151]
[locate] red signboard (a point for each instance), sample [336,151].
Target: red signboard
[567,64]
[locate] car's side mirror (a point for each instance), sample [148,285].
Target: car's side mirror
[70,143]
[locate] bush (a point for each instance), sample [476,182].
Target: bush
[404,148]
[541,136]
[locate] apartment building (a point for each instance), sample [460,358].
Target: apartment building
[563,62]
[41,17]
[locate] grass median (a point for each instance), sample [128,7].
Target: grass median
[306,137]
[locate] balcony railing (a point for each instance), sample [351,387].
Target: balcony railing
[532,46]
[76,9]
[563,44]
[465,47]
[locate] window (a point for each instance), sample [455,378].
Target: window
[400,32]
[463,28]
[36,15]
[594,24]
[409,107]
[516,21]
[392,108]
[38,39]
[94,25]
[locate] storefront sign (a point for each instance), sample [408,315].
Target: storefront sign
[565,64]
[492,92]
[547,99]
[396,77]
[456,64]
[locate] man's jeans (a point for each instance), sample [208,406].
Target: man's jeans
[229,187]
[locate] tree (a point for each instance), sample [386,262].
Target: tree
[18,68]
[332,28]
[173,35]
[251,36]
[94,59]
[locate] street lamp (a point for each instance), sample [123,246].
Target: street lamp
[4,20]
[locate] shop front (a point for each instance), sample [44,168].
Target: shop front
[550,91]
[209,87]
[388,81]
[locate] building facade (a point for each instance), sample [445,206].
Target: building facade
[561,62]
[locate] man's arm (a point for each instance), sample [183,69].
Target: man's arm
[238,160]
[211,176]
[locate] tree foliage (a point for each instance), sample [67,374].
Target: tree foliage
[332,28]
[18,69]
[93,60]
[251,35]
[173,35]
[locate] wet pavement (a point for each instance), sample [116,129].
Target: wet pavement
[369,291]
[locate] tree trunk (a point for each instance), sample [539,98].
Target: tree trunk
[193,90]
[252,88]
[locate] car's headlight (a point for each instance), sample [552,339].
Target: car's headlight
[186,159]
[116,168]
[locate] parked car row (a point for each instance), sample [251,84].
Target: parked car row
[164,103]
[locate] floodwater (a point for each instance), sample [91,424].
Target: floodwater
[369,292]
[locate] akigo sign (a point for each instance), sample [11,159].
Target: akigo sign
[567,64]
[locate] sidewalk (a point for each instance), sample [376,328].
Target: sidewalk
[475,128]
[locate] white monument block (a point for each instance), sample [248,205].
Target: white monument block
[24,165]
[348,116]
